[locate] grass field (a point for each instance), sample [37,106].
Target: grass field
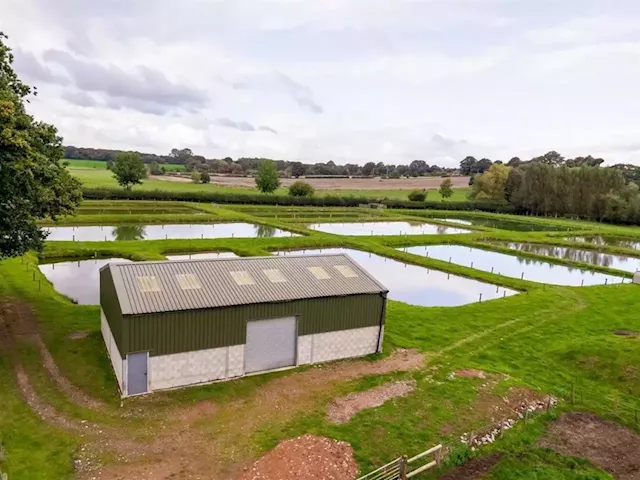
[101,165]
[95,178]
[548,339]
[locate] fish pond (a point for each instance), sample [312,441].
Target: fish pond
[514,266]
[162,232]
[594,257]
[417,285]
[607,241]
[503,224]
[385,228]
[78,280]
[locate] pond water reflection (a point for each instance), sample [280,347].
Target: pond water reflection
[607,241]
[385,228]
[160,232]
[619,262]
[514,266]
[417,285]
[79,280]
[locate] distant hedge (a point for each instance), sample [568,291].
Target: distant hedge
[261,199]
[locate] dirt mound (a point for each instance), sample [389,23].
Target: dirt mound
[474,469]
[343,409]
[305,458]
[608,445]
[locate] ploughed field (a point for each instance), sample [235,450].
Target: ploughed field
[497,328]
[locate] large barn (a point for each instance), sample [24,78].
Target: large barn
[171,324]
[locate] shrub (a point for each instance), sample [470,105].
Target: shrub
[301,189]
[205,177]
[418,195]
[195,177]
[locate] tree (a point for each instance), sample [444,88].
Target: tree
[549,158]
[301,189]
[267,179]
[482,166]
[491,184]
[181,156]
[467,165]
[205,177]
[129,169]
[155,169]
[418,168]
[34,181]
[514,162]
[297,169]
[196,177]
[418,195]
[446,188]
[367,169]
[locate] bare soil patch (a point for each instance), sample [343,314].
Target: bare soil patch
[607,445]
[474,469]
[305,458]
[337,183]
[627,333]
[345,408]
[77,335]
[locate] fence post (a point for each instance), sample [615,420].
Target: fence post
[403,467]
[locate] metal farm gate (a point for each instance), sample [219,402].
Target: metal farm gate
[398,469]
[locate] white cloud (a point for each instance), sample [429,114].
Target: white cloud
[347,80]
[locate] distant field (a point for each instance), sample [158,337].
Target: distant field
[100,165]
[96,178]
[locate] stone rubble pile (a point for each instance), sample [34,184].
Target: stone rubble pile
[521,411]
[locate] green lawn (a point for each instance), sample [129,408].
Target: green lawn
[102,165]
[557,340]
[94,178]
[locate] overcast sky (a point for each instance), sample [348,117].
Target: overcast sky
[343,80]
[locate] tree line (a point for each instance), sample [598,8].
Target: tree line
[551,185]
[246,165]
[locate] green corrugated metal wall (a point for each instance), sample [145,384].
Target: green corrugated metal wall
[111,308]
[183,331]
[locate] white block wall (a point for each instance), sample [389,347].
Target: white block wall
[189,368]
[119,366]
[324,347]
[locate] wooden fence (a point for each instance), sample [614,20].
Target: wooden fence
[400,468]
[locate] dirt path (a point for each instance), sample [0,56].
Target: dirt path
[21,326]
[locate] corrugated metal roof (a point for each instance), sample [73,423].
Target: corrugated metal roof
[220,286]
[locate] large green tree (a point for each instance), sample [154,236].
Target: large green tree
[34,181]
[267,179]
[491,184]
[129,169]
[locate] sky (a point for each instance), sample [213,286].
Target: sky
[345,80]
